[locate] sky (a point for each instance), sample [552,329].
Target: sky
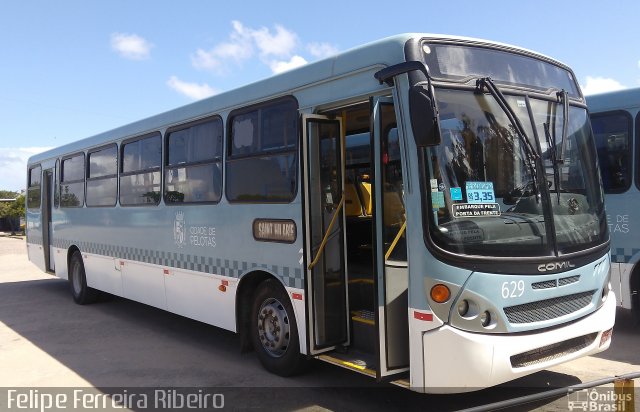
[70,69]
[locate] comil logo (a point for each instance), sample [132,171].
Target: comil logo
[179,229]
[552,267]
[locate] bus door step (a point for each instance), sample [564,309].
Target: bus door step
[354,360]
[363,327]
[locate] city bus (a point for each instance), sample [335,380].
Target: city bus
[425,210]
[615,122]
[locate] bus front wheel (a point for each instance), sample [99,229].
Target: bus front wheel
[274,332]
[82,294]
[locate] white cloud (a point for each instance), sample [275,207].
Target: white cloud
[13,163]
[131,46]
[282,66]
[192,90]
[595,85]
[277,48]
[280,44]
[322,50]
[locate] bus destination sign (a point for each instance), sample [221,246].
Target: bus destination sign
[274,230]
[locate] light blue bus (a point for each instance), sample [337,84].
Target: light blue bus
[425,210]
[615,120]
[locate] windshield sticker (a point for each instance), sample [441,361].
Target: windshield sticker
[437,200]
[467,235]
[434,185]
[522,103]
[456,193]
[461,210]
[480,192]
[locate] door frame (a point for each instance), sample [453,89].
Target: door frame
[48,187]
[383,370]
[312,347]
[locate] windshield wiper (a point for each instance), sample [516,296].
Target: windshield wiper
[563,97]
[530,151]
[551,144]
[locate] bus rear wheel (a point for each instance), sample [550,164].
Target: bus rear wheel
[274,331]
[82,294]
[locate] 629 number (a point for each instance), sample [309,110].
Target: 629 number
[512,289]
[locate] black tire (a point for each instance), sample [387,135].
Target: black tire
[82,294]
[274,332]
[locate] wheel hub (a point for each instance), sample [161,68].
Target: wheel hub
[273,327]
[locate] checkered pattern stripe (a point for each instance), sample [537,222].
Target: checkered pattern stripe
[623,255]
[292,277]
[34,240]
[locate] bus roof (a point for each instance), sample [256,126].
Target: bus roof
[620,99]
[370,56]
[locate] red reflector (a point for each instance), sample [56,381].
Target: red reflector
[225,283]
[423,316]
[166,271]
[297,296]
[222,288]
[606,336]
[121,263]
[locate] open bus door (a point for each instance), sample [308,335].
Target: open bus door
[392,275]
[327,308]
[46,224]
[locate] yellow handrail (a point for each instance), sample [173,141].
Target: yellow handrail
[395,241]
[326,235]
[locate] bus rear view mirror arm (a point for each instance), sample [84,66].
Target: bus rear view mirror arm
[422,104]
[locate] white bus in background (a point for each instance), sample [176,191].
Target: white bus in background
[388,210]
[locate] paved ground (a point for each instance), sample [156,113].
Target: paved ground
[48,341]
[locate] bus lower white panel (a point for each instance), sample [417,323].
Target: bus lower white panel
[102,275]
[144,283]
[36,255]
[198,297]
[458,361]
[620,282]
[298,303]
[62,271]
[60,262]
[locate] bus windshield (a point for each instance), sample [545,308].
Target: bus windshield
[486,197]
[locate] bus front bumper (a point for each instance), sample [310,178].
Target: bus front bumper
[458,361]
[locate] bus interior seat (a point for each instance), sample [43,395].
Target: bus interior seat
[365,190]
[352,204]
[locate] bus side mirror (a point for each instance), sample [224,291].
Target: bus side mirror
[424,117]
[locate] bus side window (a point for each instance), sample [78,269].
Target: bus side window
[33,191]
[612,132]
[262,153]
[72,181]
[193,170]
[140,171]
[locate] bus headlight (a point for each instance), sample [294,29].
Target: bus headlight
[485,318]
[463,307]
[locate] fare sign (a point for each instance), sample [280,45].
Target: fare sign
[275,230]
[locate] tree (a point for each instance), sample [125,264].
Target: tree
[8,194]
[13,211]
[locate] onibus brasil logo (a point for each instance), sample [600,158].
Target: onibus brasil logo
[599,400]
